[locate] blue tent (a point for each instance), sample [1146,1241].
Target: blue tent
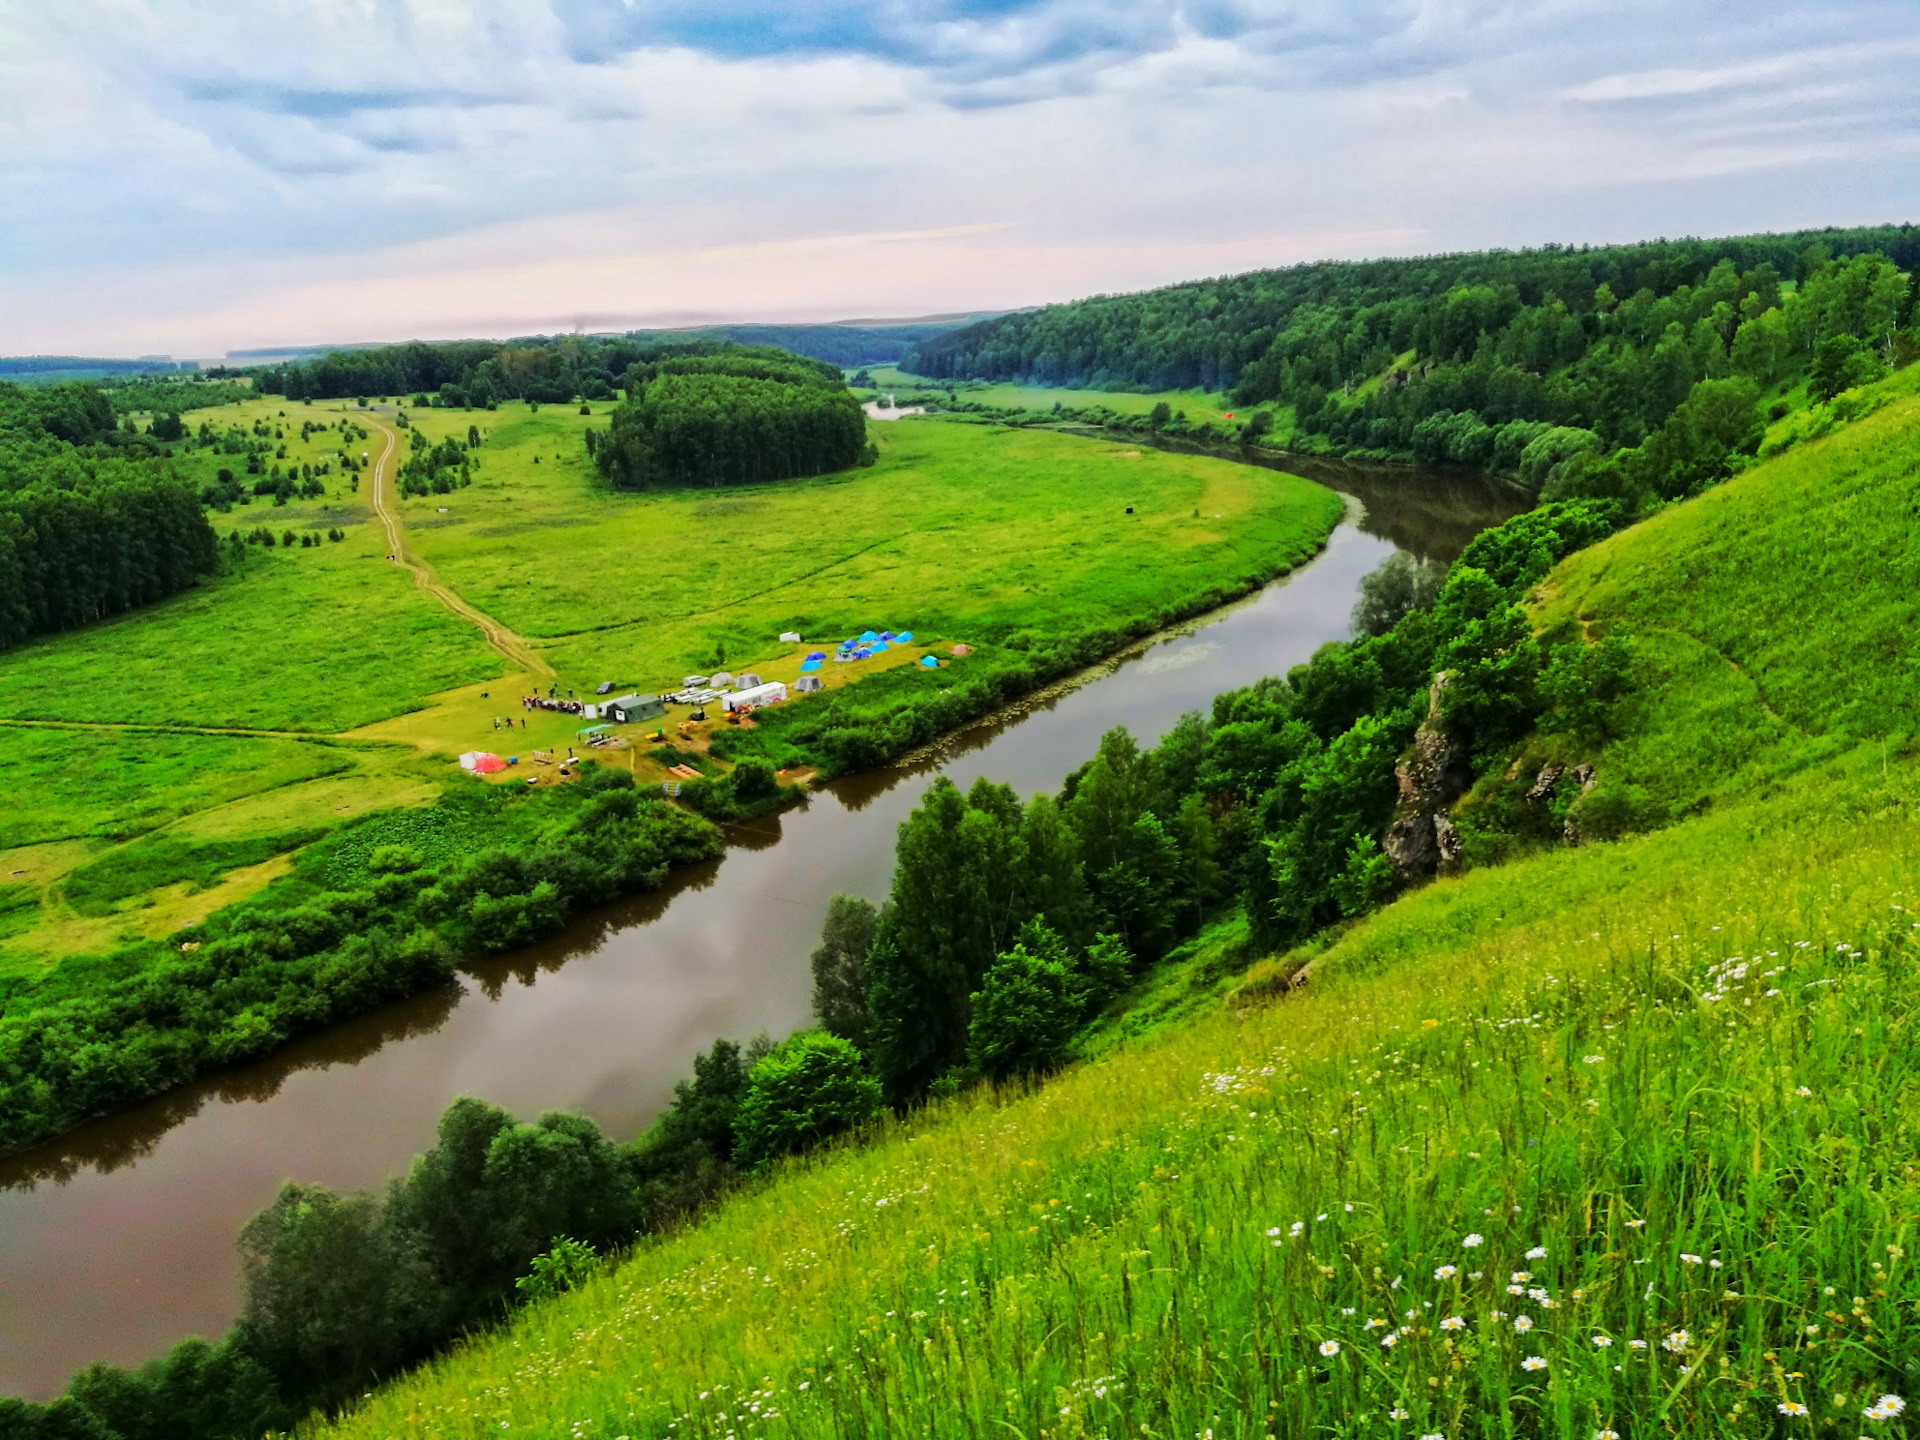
[809,666]
[886,634]
[880,645]
[929,663]
[867,637]
[904,637]
[816,655]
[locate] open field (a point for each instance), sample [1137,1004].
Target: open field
[1612,1139]
[958,531]
[147,821]
[1199,405]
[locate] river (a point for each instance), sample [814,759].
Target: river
[118,1239]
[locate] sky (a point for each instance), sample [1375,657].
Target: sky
[188,177]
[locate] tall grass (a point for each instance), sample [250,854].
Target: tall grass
[1615,1139]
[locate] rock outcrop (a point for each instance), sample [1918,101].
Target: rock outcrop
[1422,841]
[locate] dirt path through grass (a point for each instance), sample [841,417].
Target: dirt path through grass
[386,506]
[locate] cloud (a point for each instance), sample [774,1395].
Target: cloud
[182,175]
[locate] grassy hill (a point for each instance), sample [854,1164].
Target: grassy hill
[1607,1140]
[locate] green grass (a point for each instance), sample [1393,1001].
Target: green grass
[318,640]
[1674,1079]
[959,530]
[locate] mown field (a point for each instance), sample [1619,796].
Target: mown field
[1604,1141]
[958,532]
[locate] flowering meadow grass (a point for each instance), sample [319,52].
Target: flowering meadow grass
[1616,1141]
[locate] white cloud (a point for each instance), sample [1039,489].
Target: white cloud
[187,176]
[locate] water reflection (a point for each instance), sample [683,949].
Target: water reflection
[131,1247]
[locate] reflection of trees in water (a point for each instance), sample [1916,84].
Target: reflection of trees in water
[1429,513]
[116,1141]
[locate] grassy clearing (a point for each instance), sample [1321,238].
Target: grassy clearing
[958,531]
[1199,405]
[1606,1141]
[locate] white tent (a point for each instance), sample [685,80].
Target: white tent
[745,680]
[807,684]
[790,637]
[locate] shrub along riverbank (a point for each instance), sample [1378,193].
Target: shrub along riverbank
[366,917]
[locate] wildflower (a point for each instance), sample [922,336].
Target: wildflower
[1297,1227]
[1320,1216]
[1373,1325]
[1520,1277]
[1676,1342]
[1635,1224]
[1523,1323]
[1538,1252]
[1347,1310]
[1593,1059]
[1435,1436]
[1453,1322]
[1446,1272]
[1607,1434]
[1885,1408]
[1329,1347]
[1516,1289]
[1389,1340]
[1273,1230]
[1636,1344]
[1397,1414]
[1690,1259]
[1602,1341]
[1472,1241]
[1791,1407]
[1803,1092]
[1534,1362]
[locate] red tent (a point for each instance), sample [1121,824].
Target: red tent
[486,764]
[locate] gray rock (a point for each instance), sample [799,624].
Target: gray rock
[1542,787]
[1446,841]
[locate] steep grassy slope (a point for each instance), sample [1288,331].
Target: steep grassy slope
[1614,1140]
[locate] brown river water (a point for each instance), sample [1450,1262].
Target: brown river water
[117,1239]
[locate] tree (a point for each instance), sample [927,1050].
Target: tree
[1027,1009]
[840,968]
[809,1088]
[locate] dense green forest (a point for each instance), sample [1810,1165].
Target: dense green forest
[1510,360]
[92,523]
[556,369]
[730,416]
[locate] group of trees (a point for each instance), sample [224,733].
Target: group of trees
[90,525]
[437,469]
[341,1291]
[1442,357]
[1009,926]
[732,416]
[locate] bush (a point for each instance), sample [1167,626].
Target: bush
[810,1087]
[1027,1010]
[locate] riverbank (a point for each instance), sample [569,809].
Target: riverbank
[600,1018]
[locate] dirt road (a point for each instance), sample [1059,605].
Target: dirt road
[384,488]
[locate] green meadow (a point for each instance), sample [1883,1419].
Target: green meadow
[959,531]
[1199,405]
[1605,1141]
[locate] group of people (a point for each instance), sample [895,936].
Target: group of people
[550,701]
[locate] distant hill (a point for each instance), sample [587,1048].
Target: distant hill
[53,369]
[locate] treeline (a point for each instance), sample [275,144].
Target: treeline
[736,416]
[1009,926]
[255,975]
[92,523]
[343,1291]
[544,370]
[1607,340]
[846,346]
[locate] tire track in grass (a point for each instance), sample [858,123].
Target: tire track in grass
[502,640]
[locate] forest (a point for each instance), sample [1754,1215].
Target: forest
[92,522]
[1479,359]
[557,369]
[740,415]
